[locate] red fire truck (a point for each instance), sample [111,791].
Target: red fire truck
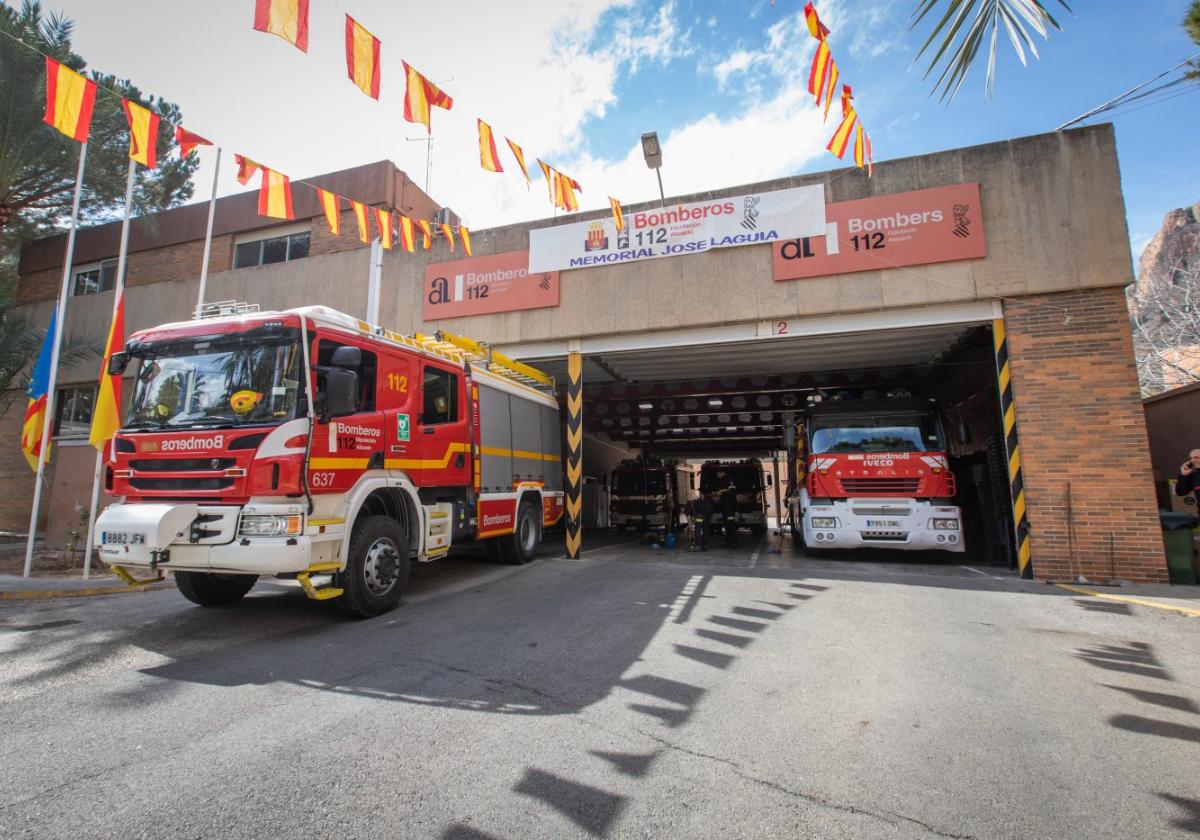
[873,473]
[308,444]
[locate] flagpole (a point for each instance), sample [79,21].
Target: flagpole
[212,210]
[118,290]
[59,328]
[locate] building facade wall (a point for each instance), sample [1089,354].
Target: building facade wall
[1053,217]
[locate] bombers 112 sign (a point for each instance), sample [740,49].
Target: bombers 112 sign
[483,284]
[753,219]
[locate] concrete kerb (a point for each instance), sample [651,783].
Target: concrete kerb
[1162,602]
[16,588]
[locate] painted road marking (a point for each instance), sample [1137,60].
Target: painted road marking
[1191,611]
[754,558]
[976,571]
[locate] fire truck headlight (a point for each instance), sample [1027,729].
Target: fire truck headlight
[271,525]
[944,524]
[824,522]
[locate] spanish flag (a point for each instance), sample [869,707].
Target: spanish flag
[384,220]
[360,215]
[465,236]
[69,101]
[329,203]
[246,168]
[815,28]
[286,18]
[406,233]
[143,133]
[564,192]
[520,156]
[188,141]
[420,95]
[618,217]
[362,58]
[35,410]
[275,195]
[448,232]
[489,159]
[830,87]
[427,231]
[548,173]
[106,416]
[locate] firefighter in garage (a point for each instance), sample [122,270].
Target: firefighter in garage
[699,511]
[729,515]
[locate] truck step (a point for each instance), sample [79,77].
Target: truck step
[323,593]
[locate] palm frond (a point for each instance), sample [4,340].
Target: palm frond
[966,25]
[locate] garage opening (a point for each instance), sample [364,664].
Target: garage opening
[859,413]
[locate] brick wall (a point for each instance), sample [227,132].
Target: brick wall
[1080,419]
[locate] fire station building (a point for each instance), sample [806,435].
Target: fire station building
[988,279]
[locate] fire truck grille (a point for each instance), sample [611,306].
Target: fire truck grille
[141,483]
[182,465]
[884,536]
[896,485]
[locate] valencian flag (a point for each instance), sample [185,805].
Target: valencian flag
[465,236]
[548,173]
[188,141]
[448,232]
[329,203]
[35,410]
[406,233]
[815,28]
[106,416]
[520,156]
[246,168]
[286,18]
[618,217]
[420,95]
[362,58]
[564,192]
[360,216]
[143,133]
[69,101]
[426,231]
[384,219]
[489,159]
[275,195]
[829,88]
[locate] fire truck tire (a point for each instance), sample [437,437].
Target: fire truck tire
[377,570]
[213,590]
[758,530]
[520,546]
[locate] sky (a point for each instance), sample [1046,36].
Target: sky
[576,82]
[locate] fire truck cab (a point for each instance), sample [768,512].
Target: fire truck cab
[308,444]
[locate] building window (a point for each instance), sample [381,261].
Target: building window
[95,278]
[73,411]
[280,247]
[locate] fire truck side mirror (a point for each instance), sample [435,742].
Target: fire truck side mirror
[117,363]
[346,357]
[341,392]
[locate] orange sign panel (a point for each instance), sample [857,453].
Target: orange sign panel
[479,285]
[888,231]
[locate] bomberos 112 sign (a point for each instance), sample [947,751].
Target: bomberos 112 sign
[754,219]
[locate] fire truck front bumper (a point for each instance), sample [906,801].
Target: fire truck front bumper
[903,524]
[201,538]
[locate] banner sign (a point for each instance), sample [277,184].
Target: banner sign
[910,228]
[479,285]
[752,219]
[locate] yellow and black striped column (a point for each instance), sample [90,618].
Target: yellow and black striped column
[574,453]
[1016,480]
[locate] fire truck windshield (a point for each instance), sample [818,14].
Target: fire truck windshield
[636,482]
[248,378]
[715,479]
[880,433]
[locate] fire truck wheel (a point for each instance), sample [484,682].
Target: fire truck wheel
[758,530]
[377,570]
[213,590]
[520,546]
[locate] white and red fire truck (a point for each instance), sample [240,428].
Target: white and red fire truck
[873,473]
[308,444]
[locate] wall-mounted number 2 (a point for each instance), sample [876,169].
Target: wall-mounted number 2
[781,328]
[399,383]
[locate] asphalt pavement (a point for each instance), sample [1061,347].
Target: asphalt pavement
[636,692]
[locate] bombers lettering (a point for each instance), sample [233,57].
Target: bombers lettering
[347,429]
[191,444]
[498,519]
[681,214]
[897,220]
